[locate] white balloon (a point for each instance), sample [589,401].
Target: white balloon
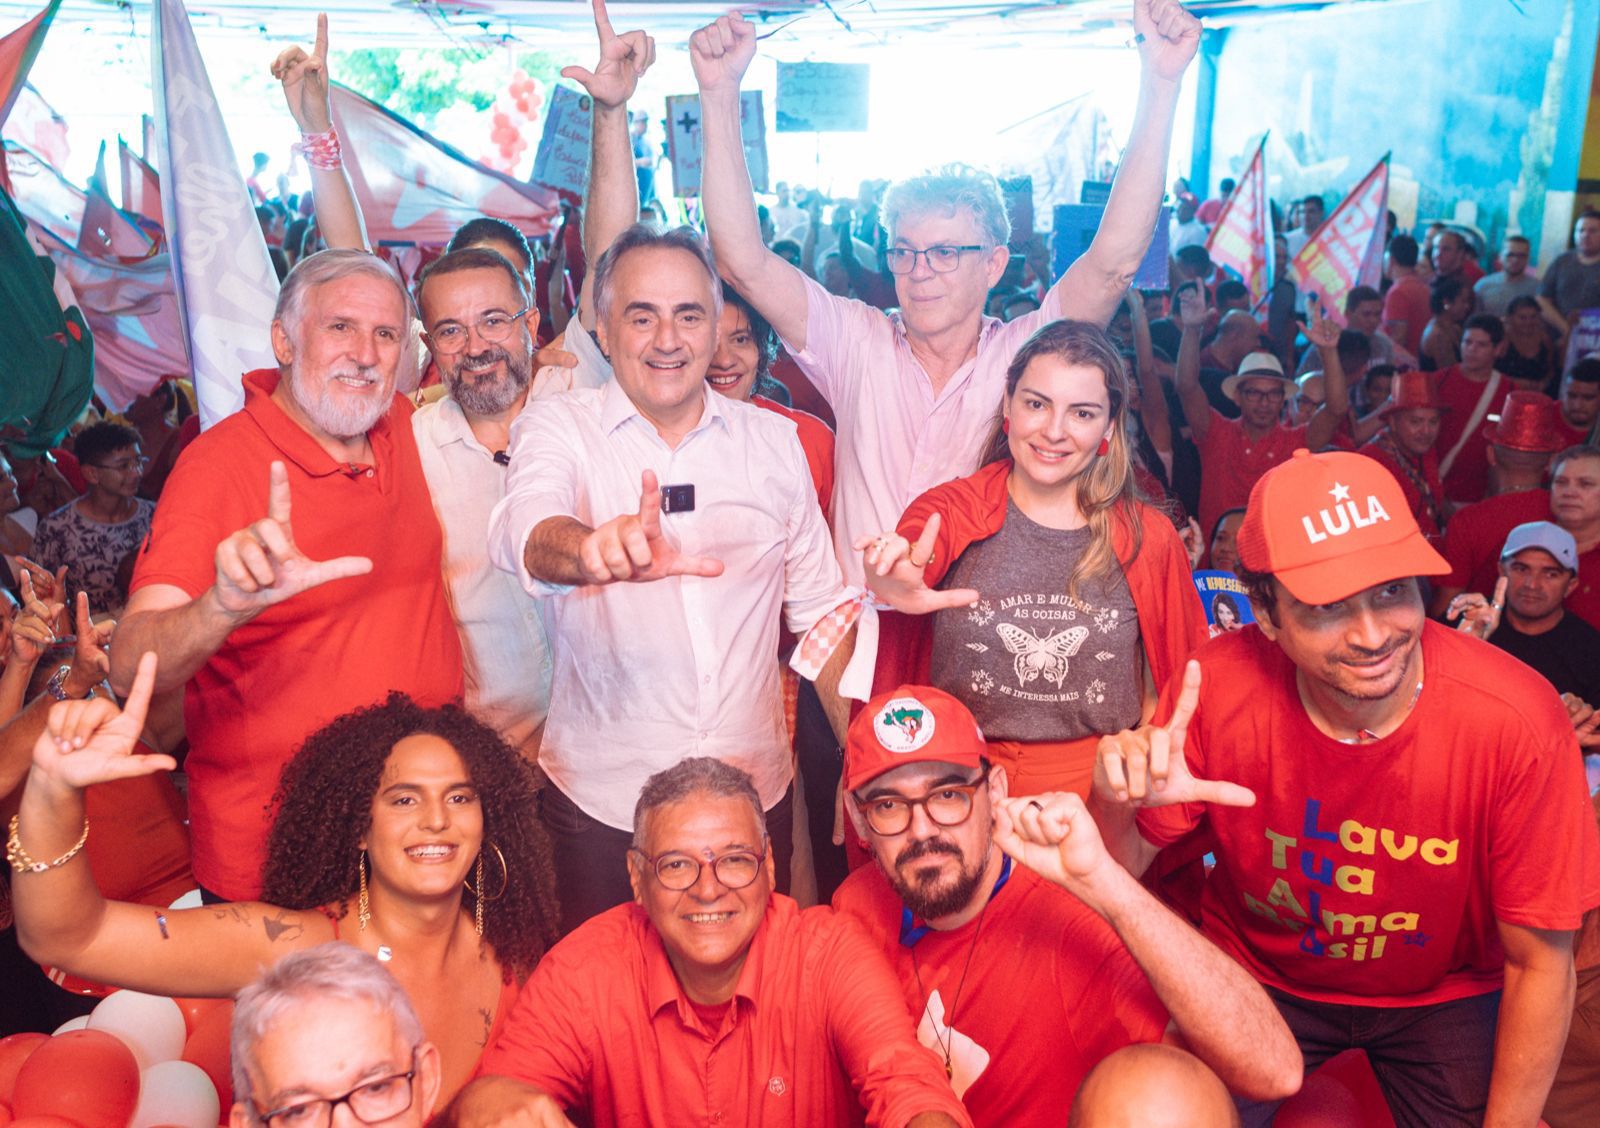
[176,1093]
[151,1025]
[72,1024]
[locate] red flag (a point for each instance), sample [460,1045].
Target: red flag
[1241,239]
[413,188]
[1347,250]
[141,187]
[17,52]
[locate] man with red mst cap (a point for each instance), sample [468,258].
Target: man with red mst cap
[1404,845]
[1101,963]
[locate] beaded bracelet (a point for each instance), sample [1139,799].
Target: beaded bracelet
[321,150]
[23,862]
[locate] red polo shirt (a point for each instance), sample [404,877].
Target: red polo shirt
[298,665]
[816,1033]
[1230,463]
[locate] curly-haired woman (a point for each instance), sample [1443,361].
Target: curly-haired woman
[418,820]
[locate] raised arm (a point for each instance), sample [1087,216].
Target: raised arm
[1153,414]
[1192,315]
[305,89]
[611,204]
[721,52]
[1324,334]
[1168,37]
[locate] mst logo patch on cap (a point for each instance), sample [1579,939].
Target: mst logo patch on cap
[904,724]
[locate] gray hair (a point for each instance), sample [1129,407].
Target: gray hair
[944,191]
[696,777]
[641,236]
[330,266]
[335,970]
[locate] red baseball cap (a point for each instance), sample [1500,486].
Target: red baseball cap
[910,725]
[1330,525]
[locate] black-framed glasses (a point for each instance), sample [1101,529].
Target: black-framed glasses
[123,466]
[947,805]
[369,1102]
[1260,395]
[734,870]
[941,259]
[451,337]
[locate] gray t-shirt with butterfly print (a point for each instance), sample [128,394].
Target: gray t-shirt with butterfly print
[1032,663]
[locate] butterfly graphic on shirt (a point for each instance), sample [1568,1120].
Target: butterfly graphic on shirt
[1045,657]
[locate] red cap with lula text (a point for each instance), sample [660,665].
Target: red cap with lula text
[1330,525]
[910,725]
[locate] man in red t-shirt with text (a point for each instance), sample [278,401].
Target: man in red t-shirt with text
[970,933]
[1404,846]
[273,627]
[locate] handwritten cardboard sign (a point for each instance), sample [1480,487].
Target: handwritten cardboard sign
[823,97]
[684,140]
[562,160]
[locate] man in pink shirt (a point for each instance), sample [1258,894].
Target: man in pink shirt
[917,394]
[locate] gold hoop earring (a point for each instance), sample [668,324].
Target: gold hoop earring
[477,893]
[363,905]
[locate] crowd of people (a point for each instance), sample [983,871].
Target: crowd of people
[757,675]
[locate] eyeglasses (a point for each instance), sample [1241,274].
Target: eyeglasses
[941,260]
[678,872]
[451,336]
[1260,395]
[124,466]
[950,805]
[369,1102]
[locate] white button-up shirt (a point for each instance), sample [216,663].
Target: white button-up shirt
[647,674]
[896,439]
[503,645]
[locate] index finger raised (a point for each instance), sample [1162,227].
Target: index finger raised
[321,47]
[602,21]
[144,684]
[1188,699]
[278,494]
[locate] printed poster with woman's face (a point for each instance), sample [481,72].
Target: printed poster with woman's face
[1227,606]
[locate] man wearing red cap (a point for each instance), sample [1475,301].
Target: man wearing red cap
[1407,447]
[1416,848]
[1521,442]
[1102,966]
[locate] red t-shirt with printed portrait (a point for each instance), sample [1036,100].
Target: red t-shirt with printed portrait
[1374,874]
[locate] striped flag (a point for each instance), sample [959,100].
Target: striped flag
[1347,250]
[1241,239]
[225,283]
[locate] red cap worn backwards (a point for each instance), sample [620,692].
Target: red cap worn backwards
[910,725]
[1330,525]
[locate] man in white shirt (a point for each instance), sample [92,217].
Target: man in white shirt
[667,528]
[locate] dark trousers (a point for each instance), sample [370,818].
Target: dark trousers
[591,858]
[820,762]
[1432,1062]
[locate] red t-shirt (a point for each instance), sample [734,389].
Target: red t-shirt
[1476,534]
[1015,1064]
[1584,602]
[1407,300]
[1569,435]
[1230,464]
[1374,874]
[802,392]
[338,647]
[816,440]
[816,1034]
[1419,481]
[1468,478]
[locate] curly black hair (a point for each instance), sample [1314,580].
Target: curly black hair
[324,807]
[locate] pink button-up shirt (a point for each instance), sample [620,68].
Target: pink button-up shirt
[896,438]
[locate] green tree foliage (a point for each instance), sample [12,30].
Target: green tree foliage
[417,83]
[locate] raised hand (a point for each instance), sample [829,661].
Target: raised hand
[623,60]
[305,82]
[48,586]
[1194,542]
[1323,331]
[1146,766]
[721,52]
[1478,616]
[1585,720]
[633,547]
[1053,835]
[260,565]
[1191,307]
[896,571]
[35,629]
[92,741]
[1168,37]
[91,665]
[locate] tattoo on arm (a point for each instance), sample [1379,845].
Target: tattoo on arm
[281,927]
[230,912]
[488,1025]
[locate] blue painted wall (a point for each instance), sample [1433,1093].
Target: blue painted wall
[1479,100]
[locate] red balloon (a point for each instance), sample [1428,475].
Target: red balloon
[501,119]
[207,1047]
[535,100]
[194,1010]
[86,1076]
[13,1052]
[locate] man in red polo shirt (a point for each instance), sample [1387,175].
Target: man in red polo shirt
[711,1000]
[292,572]
[1520,443]
[1101,964]
[1404,845]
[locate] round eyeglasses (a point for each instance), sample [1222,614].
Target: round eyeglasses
[949,805]
[734,870]
[451,336]
[941,259]
[371,1102]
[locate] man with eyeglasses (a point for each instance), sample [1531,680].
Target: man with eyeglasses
[95,533]
[1028,953]
[710,999]
[325,1029]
